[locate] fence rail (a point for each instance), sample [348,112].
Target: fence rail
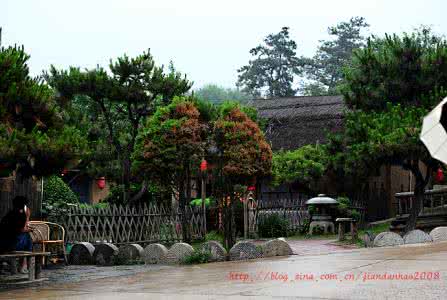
[435,202]
[123,224]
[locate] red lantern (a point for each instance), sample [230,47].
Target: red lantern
[203,165]
[439,175]
[101,182]
[251,188]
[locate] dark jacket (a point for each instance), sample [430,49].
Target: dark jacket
[10,227]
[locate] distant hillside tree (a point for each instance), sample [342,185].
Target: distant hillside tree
[272,70]
[218,94]
[325,69]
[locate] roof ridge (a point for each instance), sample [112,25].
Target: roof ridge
[299,105]
[295,97]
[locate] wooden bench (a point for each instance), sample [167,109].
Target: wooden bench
[34,261]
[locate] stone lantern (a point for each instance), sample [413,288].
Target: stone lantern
[321,217]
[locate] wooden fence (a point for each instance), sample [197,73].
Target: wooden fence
[293,210]
[122,224]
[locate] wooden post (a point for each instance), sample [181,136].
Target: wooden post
[31,261]
[341,231]
[354,234]
[246,217]
[39,261]
[203,202]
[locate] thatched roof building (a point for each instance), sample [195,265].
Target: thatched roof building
[297,121]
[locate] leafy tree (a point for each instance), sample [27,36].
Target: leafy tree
[169,148]
[242,155]
[303,165]
[398,69]
[325,69]
[217,94]
[121,100]
[390,137]
[271,73]
[391,86]
[33,138]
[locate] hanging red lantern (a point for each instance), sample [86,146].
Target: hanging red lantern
[101,182]
[203,165]
[251,188]
[439,175]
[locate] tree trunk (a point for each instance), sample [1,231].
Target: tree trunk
[229,228]
[126,180]
[188,200]
[140,194]
[182,204]
[416,203]
[419,192]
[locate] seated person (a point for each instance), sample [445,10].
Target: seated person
[15,231]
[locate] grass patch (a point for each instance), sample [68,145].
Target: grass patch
[329,236]
[197,257]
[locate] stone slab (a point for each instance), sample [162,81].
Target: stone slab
[154,253]
[81,254]
[417,236]
[105,254]
[388,238]
[218,252]
[245,250]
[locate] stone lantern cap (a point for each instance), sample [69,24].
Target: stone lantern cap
[322,199]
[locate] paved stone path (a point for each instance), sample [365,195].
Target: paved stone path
[340,275]
[316,247]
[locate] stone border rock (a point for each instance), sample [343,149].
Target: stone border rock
[218,252]
[245,250]
[81,254]
[129,253]
[417,236]
[388,238]
[439,234]
[105,254]
[277,247]
[178,252]
[154,254]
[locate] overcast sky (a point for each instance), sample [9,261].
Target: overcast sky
[206,39]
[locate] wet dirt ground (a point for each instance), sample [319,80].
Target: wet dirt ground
[406,272]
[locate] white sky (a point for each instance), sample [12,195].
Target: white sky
[207,39]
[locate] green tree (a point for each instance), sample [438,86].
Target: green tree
[242,155]
[217,94]
[169,149]
[33,138]
[398,69]
[325,69]
[390,86]
[304,165]
[121,100]
[271,73]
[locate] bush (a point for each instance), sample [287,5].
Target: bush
[214,236]
[57,196]
[197,257]
[344,211]
[273,226]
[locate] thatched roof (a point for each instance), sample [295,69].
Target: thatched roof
[297,121]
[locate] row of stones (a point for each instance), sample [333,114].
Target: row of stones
[413,237]
[108,254]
